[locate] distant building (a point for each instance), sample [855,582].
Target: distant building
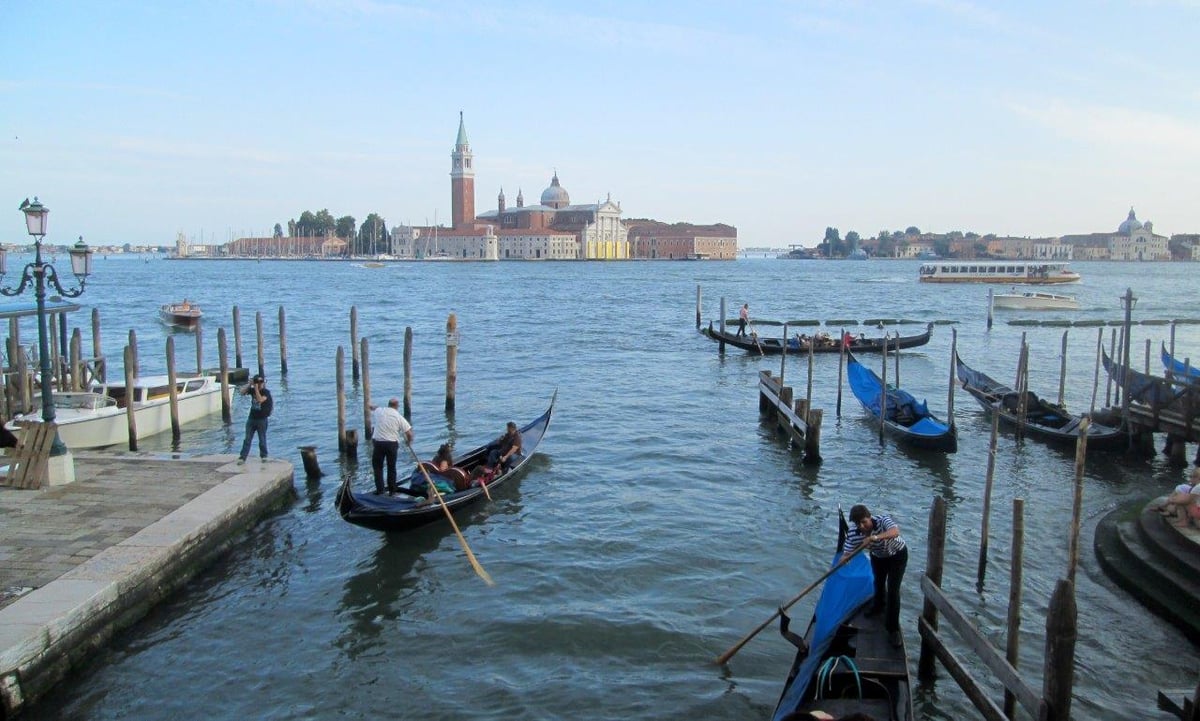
[651,239]
[1136,240]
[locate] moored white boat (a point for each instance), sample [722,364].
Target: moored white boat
[1032,272]
[97,418]
[1032,300]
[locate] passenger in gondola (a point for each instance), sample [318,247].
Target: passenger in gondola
[506,450]
[847,339]
[443,459]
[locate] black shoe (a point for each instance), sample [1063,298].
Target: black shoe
[874,610]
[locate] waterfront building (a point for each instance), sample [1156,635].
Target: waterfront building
[653,240]
[1135,240]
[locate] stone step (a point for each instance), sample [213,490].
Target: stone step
[1145,570]
[1174,545]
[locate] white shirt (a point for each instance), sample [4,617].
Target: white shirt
[388,424]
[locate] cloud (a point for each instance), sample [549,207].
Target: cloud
[1116,128]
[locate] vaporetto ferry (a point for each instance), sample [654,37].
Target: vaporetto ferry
[1033,272]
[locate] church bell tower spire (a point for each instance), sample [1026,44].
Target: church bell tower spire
[462,180]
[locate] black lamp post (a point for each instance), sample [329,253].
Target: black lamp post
[1128,302]
[40,273]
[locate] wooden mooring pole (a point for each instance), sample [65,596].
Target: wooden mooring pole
[283,368]
[134,356]
[408,342]
[223,359]
[451,361]
[1012,649]
[258,325]
[130,421]
[199,350]
[172,391]
[368,432]
[237,339]
[1062,370]
[697,306]
[1077,501]
[987,500]
[97,353]
[341,399]
[935,558]
[1061,632]
[354,343]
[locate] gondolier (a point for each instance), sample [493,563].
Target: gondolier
[743,319]
[388,426]
[889,558]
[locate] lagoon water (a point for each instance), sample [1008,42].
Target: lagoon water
[659,523]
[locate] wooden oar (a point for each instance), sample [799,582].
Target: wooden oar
[754,335]
[450,517]
[723,658]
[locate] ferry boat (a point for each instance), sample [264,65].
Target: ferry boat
[1033,272]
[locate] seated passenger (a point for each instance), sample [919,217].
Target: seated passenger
[444,459]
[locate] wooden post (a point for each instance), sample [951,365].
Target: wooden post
[1062,370]
[991,302]
[366,388]
[953,375]
[933,571]
[282,343]
[134,354]
[783,352]
[987,501]
[896,360]
[258,324]
[812,436]
[76,361]
[1059,671]
[721,344]
[23,377]
[341,399]
[1096,376]
[841,368]
[1112,353]
[1169,373]
[354,343]
[97,352]
[1015,574]
[1077,505]
[199,350]
[883,390]
[223,359]
[311,468]
[808,390]
[1022,386]
[172,391]
[408,341]
[237,339]
[131,420]
[1147,356]
[697,306]
[451,361]
[56,370]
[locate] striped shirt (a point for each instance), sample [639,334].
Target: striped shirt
[885,548]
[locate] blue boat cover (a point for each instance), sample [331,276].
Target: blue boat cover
[866,385]
[844,592]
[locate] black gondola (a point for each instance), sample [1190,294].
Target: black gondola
[1143,388]
[1181,369]
[402,512]
[905,418]
[1043,419]
[757,344]
[844,664]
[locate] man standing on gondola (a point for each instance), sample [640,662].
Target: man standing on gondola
[889,557]
[387,427]
[743,319]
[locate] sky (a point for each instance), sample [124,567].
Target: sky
[136,121]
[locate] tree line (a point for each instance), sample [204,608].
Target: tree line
[369,238]
[887,241]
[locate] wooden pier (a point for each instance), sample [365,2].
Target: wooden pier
[801,423]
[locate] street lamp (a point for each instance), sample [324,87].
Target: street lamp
[40,273]
[1128,302]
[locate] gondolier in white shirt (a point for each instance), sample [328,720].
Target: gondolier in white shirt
[889,557]
[387,427]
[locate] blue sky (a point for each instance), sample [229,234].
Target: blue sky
[136,121]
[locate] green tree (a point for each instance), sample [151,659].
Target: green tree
[912,230]
[345,227]
[325,224]
[941,246]
[307,225]
[853,239]
[373,236]
[886,247]
[278,230]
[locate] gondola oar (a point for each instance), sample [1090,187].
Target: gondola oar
[754,335]
[724,658]
[450,517]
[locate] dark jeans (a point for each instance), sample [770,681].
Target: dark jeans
[741,326]
[494,458]
[384,450]
[889,571]
[253,426]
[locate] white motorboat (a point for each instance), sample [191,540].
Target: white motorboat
[97,418]
[1034,301]
[184,315]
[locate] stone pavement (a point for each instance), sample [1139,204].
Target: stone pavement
[81,560]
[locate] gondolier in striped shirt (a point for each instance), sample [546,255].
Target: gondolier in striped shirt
[889,557]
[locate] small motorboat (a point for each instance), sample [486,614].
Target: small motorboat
[185,314]
[1032,300]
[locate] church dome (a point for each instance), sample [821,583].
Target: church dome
[1131,224]
[555,196]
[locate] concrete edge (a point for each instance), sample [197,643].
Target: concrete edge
[54,628]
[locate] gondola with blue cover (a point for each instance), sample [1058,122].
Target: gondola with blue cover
[904,417]
[410,509]
[1180,369]
[844,664]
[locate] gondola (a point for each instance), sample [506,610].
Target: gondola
[1143,388]
[1178,368]
[845,665]
[1043,419]
[905,418]
[403,511]
[822,343]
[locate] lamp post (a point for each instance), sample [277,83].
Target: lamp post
[40,273]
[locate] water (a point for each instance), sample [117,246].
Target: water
[660,521]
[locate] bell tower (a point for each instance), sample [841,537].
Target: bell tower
[462,180]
